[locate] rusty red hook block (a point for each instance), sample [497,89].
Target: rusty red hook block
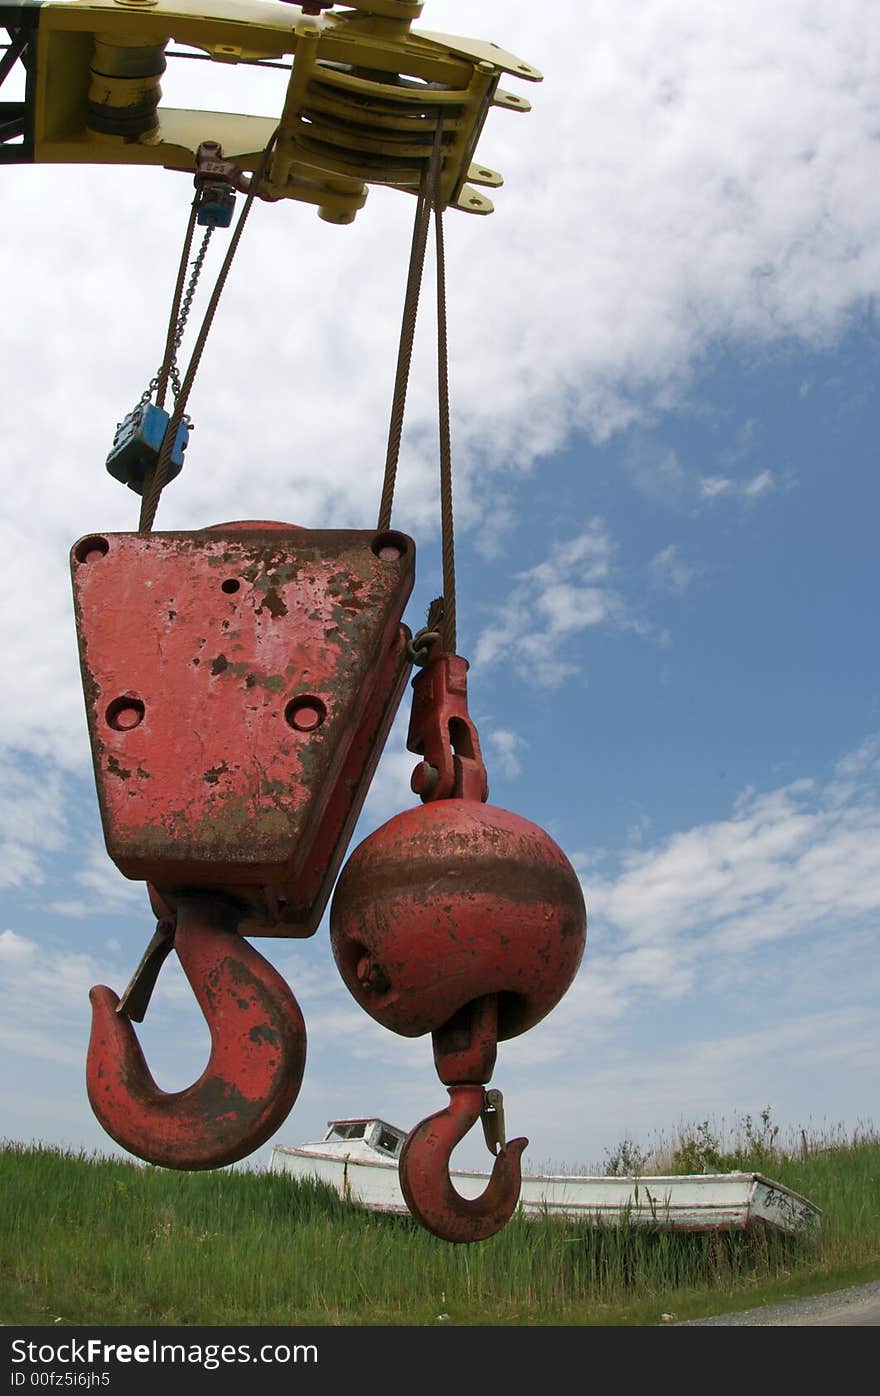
[240,682]
[427,1186]
[258,1052]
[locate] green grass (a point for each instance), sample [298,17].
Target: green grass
[92,1240]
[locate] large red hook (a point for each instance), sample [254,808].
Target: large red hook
[258,1052]
[427,1186]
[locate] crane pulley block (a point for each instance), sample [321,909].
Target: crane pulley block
[240,683]
[364,97]
[137,444]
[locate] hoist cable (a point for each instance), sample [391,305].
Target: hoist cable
[442,614]
[150,502]
[447,528]
[407,333]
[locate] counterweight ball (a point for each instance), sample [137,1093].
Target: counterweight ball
[450,901]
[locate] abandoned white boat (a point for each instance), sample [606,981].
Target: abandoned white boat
[359,1159]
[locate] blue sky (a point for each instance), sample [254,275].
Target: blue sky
[664,371]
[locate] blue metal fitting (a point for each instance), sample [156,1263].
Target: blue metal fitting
[137,444]
[216,205]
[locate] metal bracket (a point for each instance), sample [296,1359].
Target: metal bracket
[442,733]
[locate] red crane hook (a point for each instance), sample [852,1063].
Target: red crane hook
[427,1186]
[258,1052]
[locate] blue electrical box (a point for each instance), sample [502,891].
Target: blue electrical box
[216,205]
[137,444]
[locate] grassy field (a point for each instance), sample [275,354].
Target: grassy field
[92,1240]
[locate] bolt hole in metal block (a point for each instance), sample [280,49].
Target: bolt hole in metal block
[390,546]
[125,713]
[91,549]
[304,714]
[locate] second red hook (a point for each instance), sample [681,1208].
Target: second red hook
[427,1186]
[258,1053]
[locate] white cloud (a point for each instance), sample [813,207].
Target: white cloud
[14,949]
[32,819]
[45,997]
[506,747]
[669,571]
[551,602]
[658,472]
[793,1065]
[781,866]
[107,892]
[716,486]
[654,469]
[766,906]
[856,774]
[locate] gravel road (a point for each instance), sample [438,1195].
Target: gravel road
[856,1307]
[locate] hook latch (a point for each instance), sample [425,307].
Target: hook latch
[135,997]
[492,1117]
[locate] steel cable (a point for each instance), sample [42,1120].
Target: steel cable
[405,347]
[443,610]
[447,525]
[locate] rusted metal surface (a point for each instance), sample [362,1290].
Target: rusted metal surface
[451,901]
[258,1052]
[240,683]
[441,731]
[427,1186]
[465,921]
[466,1046]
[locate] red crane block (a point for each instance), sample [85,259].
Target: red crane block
[240,683]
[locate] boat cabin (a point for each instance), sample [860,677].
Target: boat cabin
[386,1139]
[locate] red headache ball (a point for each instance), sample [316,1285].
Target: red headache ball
[453,900]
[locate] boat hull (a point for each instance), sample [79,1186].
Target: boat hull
[700,1202]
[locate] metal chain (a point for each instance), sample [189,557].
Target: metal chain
[147,394]
[153,491]
[419,648]
[186,306]
[169,369]
[159,383]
